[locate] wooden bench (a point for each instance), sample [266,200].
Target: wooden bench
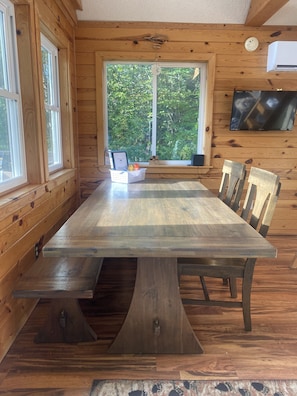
[63,281]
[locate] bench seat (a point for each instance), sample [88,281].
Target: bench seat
[64,281]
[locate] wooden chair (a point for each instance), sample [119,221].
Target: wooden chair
[230,192]
[232,182]
[258,208]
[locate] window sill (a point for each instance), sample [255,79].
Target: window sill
[63,173]
[187,170]
[168,169]
[31,191]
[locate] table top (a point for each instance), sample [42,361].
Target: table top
[156,218]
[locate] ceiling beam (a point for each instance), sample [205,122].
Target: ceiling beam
[261,10]
[77,4]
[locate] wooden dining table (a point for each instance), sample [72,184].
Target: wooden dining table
[156,221]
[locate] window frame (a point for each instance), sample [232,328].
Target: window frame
[200,110]
[32,102]
[209,59]
[12,93]
[55,105]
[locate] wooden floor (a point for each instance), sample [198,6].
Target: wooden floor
[268,352]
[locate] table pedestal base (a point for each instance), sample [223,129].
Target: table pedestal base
[156,321]
[65,323]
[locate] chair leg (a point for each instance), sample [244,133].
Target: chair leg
[233,287]
[204,288]
[246,308]
[246,293]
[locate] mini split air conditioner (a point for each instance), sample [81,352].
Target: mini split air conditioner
[282,56]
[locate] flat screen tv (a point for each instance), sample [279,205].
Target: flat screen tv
[263,110]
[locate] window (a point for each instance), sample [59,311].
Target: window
[155,109]
[50,72]
[12,150]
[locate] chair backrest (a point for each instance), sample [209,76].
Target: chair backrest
[232,183]
[261,198]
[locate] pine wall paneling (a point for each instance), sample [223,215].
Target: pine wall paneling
[235,69]
[40,210]
[30,215]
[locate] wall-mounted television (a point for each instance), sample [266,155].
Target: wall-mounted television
[263,110]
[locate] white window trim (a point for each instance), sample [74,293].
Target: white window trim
[201,127]
[52,49]
[13,93]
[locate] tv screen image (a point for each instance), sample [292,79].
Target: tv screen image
[263,110]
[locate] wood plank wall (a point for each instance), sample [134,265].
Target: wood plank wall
[30,215]
[33,216]
[235,68]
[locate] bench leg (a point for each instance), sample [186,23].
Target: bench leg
[65,323]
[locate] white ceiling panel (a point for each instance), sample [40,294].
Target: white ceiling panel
[286,16]
[185,11]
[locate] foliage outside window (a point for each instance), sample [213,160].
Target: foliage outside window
[155,109]
[12,150]
[50,73]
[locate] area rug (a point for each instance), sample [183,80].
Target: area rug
[193,388]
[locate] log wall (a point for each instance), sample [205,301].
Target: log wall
[31,214]
[235,68]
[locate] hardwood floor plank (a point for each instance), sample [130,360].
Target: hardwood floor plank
[208,366]
[267,352]
[268,367]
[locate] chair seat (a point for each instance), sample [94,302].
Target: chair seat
[215,268]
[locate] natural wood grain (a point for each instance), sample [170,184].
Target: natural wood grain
[59,277]
[226,42]
[231,187]
[261,10]
[157,221]
[156,218]
[148,327]
[269,351]
[30,213]
[274,151]
[64,281]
